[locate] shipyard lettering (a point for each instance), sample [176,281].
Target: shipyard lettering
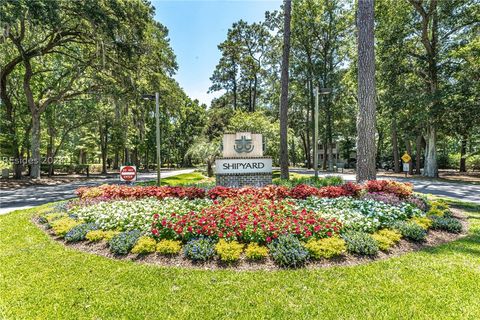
[235,166]
[252,165]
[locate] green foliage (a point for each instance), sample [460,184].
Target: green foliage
[423,222]
[79,232]
[309,180]
[95,235]
[361,243]
[447,224]
[411,231]
[50,217]
[63,225]
[255,252]
[123,242]
[386,238]
[288,252]
[326,248]
[144,245]
[229,251]
[108,235]
[201,249]
[169,247]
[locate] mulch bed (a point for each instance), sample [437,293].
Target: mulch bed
[434,238]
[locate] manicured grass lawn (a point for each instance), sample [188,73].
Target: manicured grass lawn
[180,179]
[42,279]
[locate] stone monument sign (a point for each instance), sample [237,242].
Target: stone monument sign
[243,163]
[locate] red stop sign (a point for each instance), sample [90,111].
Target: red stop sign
[128,173]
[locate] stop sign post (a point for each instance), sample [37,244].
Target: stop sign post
[128,173]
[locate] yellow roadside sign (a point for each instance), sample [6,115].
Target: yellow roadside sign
[406,158]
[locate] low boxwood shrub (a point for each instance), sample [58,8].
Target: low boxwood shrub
[144,245]
[447,224]
[423,222]
[386,238]
[287,251]
[169,247]
[108,235]
[79,232]
[50,217]
[411,231]
[63,225]
[123,242]
[326,248]
[201,249]
[95,235]
[361,243]
[229,251]
[256,252]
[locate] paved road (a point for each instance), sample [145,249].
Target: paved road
[455,190]
[36,195]
[31,196]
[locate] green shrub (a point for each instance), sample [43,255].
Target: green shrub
[63,225]
[123,242]
[229,251]
[287,251]
[50,217]
[79,232]
[439,208]
[411,231]
[254,251]
[447,224]
[361,243]
[108,235]
[95,235]
[423,222]
[201,249]
[326,248]
[145,245]
[169,247]
[386,238]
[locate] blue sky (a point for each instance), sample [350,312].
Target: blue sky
[196,27]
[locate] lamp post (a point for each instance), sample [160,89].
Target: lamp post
[157,125]
[317,92]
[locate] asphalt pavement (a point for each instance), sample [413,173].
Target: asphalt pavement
[31,196]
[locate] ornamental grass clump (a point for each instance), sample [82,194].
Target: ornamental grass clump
[256,252]
[144,245]
[201,249]
[123,242]
[79,232]
[169,247]
[411,231]
[386,238]
[288,252]
[361,243]
[326,248]
[448,224]
[229,251]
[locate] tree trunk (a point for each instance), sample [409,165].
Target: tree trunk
[463,153]
[366,92]
[284,95]
[209,169]
[35,146]
[418,154]
[431,167]
[396,156]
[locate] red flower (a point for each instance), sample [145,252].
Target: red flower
[155,232]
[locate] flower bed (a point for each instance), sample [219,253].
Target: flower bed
[299,223]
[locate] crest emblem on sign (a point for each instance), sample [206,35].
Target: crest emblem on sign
[243,145]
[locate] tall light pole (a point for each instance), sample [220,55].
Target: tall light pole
[157,126]
[317,92]
[315,134]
